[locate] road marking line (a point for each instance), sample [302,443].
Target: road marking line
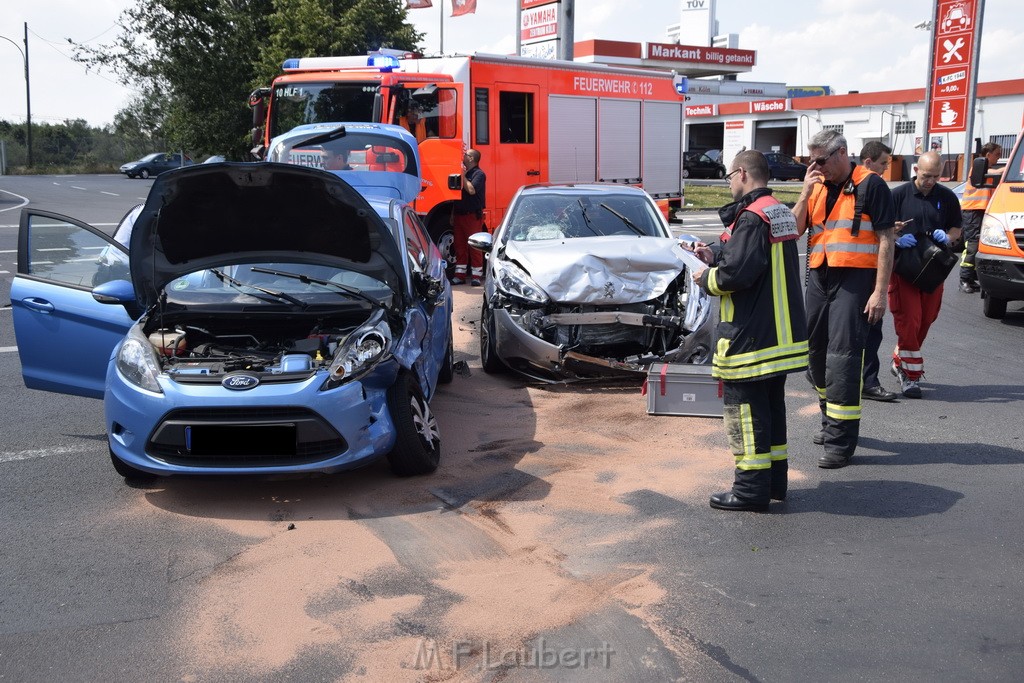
[15,456]
[76,187]
[8,349]
[112,194]
[24,201]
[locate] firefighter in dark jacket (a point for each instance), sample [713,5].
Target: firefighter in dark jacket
[762,334]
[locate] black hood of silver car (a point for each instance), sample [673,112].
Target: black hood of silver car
[222,214]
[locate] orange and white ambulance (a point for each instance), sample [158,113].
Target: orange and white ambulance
[1000,259]
[533,121]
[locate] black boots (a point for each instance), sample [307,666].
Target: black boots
[752,489]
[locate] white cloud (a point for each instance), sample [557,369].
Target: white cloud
[865,45]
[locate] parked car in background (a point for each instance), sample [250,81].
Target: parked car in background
[782,167]
[702,165]
[263,317]
[154,164]
[214,159]
[587,282]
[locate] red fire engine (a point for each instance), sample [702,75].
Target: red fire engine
[533,120]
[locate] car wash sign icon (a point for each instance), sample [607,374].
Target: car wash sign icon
[952,63]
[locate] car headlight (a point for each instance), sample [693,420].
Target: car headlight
[360,351]
[514,281]
[137,361]
[993,233]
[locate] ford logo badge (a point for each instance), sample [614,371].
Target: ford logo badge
[239,382]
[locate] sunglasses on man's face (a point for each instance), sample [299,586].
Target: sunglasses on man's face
[820,161]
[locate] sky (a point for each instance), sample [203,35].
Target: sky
[865,45]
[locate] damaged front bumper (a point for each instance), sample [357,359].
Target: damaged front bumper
[548,362]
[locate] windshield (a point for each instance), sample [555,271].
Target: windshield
[354,148]
[294,104]
[1014,172]
[276,284]
[559,216]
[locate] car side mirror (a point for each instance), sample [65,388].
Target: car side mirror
[979,167]
[118,292]
[455,181]
[481,241]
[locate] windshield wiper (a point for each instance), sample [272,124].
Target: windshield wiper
[305,279]
[321,138]
[583,210]
[629,224]
[281,296]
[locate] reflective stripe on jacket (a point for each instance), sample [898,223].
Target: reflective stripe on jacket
[762,328]
[976,198]
[832,237]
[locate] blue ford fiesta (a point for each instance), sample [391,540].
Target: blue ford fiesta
[262,318]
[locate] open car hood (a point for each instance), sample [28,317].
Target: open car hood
[603,270]
[206,216]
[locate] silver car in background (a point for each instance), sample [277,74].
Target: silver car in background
[587,282]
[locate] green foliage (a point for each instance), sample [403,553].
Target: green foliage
[194,62]
[706,197]
[310,28]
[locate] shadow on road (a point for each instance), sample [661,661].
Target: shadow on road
[936,453]
[872,498]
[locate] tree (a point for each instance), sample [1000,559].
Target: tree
[307,28]
[194,62]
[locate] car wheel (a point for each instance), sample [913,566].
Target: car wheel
[131,475]
[992,307]
[447,372]
[144,173]
[488,358]
[417,447]
[686,173]
[719,174]
[443,234]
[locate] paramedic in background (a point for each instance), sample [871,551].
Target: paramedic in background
[849,213]
[923,206]
[335,160]
[414,123]
[468,219]
[762,333]
[973,205]
[875,157]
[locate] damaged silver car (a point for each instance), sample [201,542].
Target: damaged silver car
[587,282]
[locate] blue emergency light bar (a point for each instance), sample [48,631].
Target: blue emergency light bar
[377,60]
[383,62]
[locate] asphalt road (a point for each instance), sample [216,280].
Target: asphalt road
[905,566]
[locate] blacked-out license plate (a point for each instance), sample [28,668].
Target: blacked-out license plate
[240,439]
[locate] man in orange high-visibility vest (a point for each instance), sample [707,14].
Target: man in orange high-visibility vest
[973,205]
[849,213]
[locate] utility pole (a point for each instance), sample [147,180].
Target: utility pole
[566,29]
[28,96]
[28,102]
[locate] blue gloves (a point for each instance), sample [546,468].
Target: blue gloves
[907,241]
[940,236]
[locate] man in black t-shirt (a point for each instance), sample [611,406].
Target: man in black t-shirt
[469,219]
[923,207]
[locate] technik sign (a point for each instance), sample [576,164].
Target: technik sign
[695,54]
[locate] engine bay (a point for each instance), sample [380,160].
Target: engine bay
[206,349]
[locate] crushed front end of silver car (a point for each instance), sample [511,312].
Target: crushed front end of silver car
[597,308]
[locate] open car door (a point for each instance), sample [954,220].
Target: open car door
[65,337]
